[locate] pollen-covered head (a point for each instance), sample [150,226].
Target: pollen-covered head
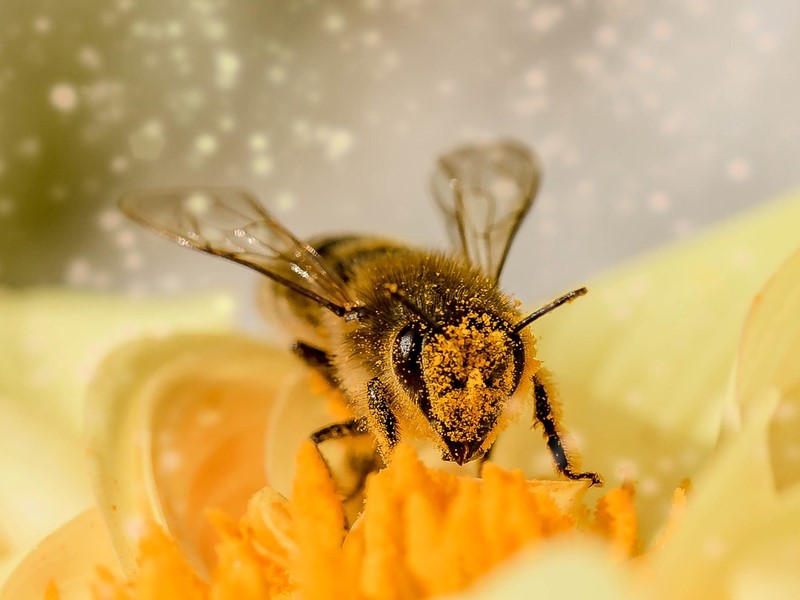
[470,370]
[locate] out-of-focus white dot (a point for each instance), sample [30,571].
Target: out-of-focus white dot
[258,142]
[174,29]
[672,123]
[659,202]
[78,271]
[606,36]
[338,144]
[147,142]
[170,460]
[683,228]
[42,25]
[285,202]
[227,123]
[633,398]
[134,527]
[206,144]
[29,147]
[262,165]
[118,164]
[58,192]
[445,87]
[371,38]
[786,411]
[649,486]
[228,65]
[738,169]
[546,17]
[698,8]
[590,64]
[208,417]
[767,42]
[276,74]
[133,261]
[665,464]
[125,239]
[109,219]
[216,30]
[662,30]
[714,548]
[197,204]
[89,58]
[333,23]
[535,78]
[747,21]
[6,207]
[626,469]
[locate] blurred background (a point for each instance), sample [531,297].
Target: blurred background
[652,120]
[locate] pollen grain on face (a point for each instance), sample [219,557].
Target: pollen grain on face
[422,532]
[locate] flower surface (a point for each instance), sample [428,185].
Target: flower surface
[679,366]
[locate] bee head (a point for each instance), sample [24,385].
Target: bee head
[461,376]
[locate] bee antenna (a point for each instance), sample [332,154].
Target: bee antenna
[393,291]
[568,297]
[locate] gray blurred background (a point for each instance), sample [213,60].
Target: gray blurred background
[653,120]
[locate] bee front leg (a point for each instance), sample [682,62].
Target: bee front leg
[381,417]
[543,411]
[317,359]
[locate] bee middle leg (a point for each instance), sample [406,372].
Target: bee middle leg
[337,431]
[360,465]
[543,411]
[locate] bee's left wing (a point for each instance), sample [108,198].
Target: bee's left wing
[229,222]
[484,192]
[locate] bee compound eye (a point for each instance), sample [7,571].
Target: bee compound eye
[407,356]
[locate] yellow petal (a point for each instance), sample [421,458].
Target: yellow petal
[730,502]
[769,359]
[54,339]
[176,426]
[644,360]
[52,342]
[66,560]
[573,568]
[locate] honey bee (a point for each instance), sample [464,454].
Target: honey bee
[423,344]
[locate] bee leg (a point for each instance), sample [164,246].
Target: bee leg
[544,414]
[381,414]
[351,428]
[316,359]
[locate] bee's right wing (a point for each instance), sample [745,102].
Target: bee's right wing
[229,222]
[484,192]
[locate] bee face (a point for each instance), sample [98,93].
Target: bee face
[460,376]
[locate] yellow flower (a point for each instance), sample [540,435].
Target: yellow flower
[645,366]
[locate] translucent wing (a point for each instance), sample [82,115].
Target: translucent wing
[485,191]
[230,223]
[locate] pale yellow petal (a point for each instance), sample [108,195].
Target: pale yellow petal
[177,426]
[68,559]
[52,341]
[573,568]
[769,359]
[43,482]
[643,362]
[729,504]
